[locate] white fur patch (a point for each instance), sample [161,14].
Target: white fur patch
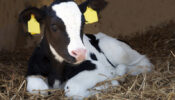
[116,54]
[36,85]
[121,69]
[70,14]
[57,56]
[115,83]
[142,66]
[79,84]
[56,84]
[102,87]
[129,60]
[91,49]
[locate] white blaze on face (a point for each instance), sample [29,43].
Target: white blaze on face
[57,56]
[70,14]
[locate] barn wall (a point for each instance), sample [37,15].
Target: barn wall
[8,22]
[124,17]
[9,27]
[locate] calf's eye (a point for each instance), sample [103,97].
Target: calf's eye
[54,27]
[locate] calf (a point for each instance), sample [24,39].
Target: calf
[65,55]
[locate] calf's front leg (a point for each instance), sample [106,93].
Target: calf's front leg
[77,87]
[37,85]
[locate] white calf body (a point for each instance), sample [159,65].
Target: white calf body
[121,55]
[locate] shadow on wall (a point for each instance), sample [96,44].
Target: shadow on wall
[120,17]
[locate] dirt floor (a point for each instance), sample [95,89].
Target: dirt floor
[157,43]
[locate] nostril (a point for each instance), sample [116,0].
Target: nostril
[74,53]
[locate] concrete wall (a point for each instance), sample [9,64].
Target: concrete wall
[121,17]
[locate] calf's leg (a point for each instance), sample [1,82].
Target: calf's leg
[36,85]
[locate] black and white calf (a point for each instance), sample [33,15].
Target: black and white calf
[72,60]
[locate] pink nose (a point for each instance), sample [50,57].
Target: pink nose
[79,54]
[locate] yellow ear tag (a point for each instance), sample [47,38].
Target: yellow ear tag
[90,16]
[33,25]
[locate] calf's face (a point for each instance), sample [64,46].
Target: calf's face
[62,22]
[63,32]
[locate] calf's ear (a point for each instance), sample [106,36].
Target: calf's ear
[25,16]
[97,5]
[83,6]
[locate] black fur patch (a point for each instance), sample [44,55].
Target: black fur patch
[25,15]
[60,1]
[98,5]
[72,70]
[94,41]
[42,62]
[93,56]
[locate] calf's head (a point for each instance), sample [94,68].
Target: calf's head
[63,21]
